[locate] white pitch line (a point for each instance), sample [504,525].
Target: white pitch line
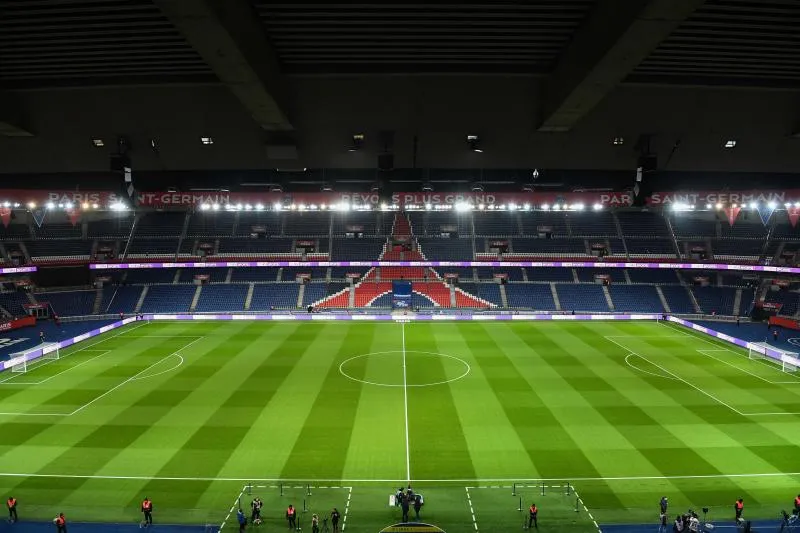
[587,510]
[395,480]
[695,387]
[405,401]
[73,352]
[132,378]
[697,336]
[347,507]
[627,362]
[471,510]
[705,352]
[41,382]
[233,507]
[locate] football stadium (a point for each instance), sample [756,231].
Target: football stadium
[405,268]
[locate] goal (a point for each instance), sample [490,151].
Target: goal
[21,361]
[789,361]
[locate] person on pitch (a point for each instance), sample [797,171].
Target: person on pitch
[314,523]
[404,505]
[255,507]
[11,503]
[417,505]
[147,510]
[41,337]
[662,504]
[533,514]
[61,523]
[335,520]
[291,517]
[738,507]
[242,520]
[662,527]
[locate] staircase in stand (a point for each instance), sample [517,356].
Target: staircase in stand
[425,281]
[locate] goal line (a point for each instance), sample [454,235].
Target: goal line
[788,361]
[20,361]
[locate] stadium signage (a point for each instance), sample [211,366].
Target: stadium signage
[494,264]
[727,197]
[160,199]
[9,325]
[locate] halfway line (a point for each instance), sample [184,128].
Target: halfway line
[405,401]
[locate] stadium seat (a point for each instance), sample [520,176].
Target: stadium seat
[582,297]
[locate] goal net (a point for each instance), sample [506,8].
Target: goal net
[788,361]
[22,361]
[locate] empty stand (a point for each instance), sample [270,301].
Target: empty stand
[635,298]
[678,299]
[530,296]
[274,295]
[222,297]
[168,299]
[307,224]
[582,297]
[69,303]
[122,299]
[715,300]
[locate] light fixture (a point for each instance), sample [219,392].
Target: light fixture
[6,204]
[718,206]
[428,207]
[597,207]
[772,205]
[357,142]
[753,205]
[206,140]
[708,206]
[730,143]
[31,205]
[50,205]
[618,141]
[545,207]
[98,143]
[474,143]
[578,207]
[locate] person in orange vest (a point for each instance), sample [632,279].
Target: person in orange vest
[147,509]
[797,505]
[12,509]
[61,523]
[738,507]
[533,513]
[291,516]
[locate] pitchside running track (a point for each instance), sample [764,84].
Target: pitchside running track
[190,413]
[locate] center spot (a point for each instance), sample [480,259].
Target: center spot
[423,369]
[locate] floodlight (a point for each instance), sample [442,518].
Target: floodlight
[772,205]
[597,207]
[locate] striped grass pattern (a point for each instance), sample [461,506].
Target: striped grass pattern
[190,414]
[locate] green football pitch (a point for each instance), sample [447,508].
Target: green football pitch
[482,417]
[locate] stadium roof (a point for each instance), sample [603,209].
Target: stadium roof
[52,42]
[553,61]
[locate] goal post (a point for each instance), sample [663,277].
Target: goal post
[20,362]
[788,361]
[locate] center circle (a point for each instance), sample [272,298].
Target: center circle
[385,369]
